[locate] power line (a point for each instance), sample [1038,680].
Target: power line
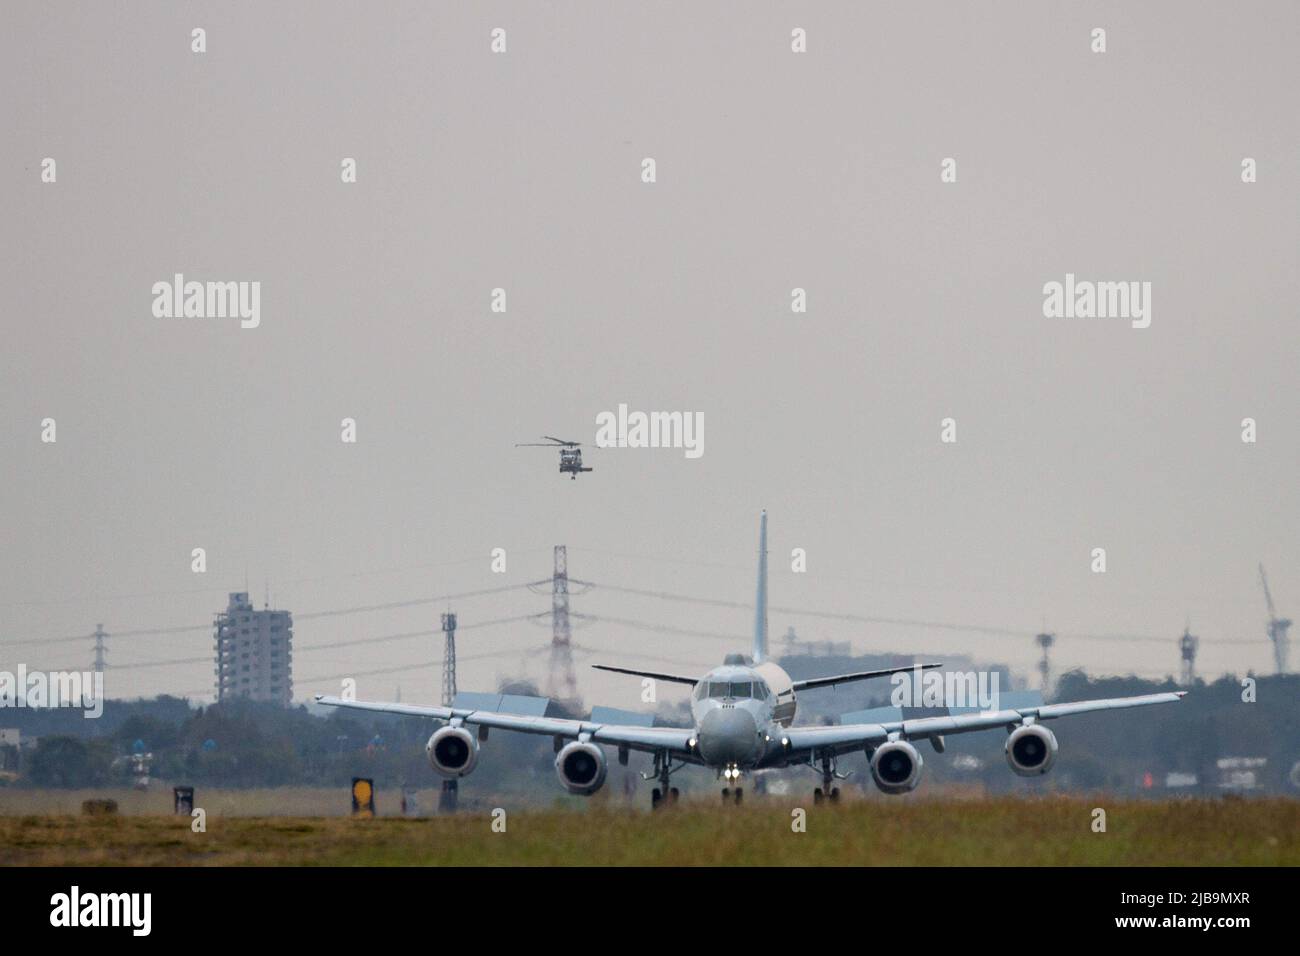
[383,638]
[346,575]
[380,639]
[1144,596]
[396,669]
[207,659]
[309,615]
[999,631]
[875,619]
[133,666]
[659,628]
[402,668]
[413,603]
[585,618]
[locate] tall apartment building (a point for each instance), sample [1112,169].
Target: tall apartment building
[254,652]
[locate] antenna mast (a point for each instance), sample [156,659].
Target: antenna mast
[448,659]
[1045,641]
[1187,645]
[100,649]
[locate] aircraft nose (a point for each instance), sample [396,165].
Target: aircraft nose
[728,735]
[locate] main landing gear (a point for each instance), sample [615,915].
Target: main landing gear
[657,798]
[826,791]
[663,794]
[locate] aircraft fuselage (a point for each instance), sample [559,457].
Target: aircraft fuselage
[739,712]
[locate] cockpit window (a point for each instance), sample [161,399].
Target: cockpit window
[734,690]
[701,690]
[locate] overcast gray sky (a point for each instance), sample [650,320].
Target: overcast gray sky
[522,170]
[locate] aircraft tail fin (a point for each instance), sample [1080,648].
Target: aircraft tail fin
[760,602]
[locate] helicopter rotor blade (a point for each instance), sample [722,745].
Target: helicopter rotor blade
[570,444]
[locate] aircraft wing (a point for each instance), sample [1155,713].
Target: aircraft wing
[842,739]
[859,675]
[670,678]
[673,739]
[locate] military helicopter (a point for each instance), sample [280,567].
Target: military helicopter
[570,456]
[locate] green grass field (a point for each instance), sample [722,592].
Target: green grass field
[1047,831]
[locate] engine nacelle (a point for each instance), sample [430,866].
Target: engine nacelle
[581,767]
[896,767]
[1031,750]
[452,751]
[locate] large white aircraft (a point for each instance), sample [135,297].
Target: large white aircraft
[743,714]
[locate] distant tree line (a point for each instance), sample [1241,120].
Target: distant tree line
[244,744]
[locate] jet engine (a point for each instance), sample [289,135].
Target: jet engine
[1031,750]
[452,751]
[896,767]
[581,767]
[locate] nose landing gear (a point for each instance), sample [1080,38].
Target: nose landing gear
[731,774]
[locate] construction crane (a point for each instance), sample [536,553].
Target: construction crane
[1277,627]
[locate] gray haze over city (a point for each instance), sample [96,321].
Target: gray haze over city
[775,171]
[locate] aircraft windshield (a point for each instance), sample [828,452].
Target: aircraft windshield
[741,690]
